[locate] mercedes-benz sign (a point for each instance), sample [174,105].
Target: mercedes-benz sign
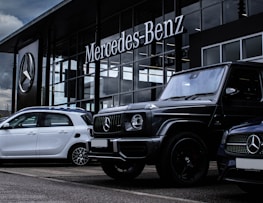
[27,72]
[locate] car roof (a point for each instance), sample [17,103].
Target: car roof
[57,109]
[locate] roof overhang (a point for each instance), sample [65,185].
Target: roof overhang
[63,20]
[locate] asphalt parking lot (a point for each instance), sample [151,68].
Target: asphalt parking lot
[147,185]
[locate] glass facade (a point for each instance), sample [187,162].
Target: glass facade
[241,49]
[140,74]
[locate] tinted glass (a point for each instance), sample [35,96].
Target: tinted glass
[247,85]
[231,51]
[252,47]
[88,118]
[203,83]
[211,55]
[51,120]
[28,120]
[211,16]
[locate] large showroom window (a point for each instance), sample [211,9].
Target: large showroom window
[245,48]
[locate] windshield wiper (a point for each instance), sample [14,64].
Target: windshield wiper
[194,96]
[174,98]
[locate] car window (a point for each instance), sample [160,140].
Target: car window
[247,84]
[52,120]
[88,118]
[28,120]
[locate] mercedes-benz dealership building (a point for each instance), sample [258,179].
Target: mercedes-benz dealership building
[101,53]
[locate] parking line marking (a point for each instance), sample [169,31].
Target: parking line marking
[177,199]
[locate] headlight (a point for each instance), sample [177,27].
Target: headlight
[137,121]
[223,140]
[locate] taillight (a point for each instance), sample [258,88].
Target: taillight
[90,132]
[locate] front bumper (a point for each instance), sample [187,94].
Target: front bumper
[231,170]
[124,149]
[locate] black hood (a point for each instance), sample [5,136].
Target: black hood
[156,105]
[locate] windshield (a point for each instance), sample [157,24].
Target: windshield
[198,84]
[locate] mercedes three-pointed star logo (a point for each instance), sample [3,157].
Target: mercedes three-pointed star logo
[253,144]
[27,72]
[106,124]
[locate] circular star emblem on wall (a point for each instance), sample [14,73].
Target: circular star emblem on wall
[27,72]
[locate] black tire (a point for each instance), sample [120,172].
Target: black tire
[254,189]
[122,170]
[78,155]
[184,160]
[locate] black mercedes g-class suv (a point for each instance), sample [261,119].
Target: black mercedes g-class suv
[180,133]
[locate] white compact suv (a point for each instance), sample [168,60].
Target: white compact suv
[46,133]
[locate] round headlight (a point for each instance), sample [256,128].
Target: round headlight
[137,121]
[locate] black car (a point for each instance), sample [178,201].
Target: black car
[181,132]
[240,156]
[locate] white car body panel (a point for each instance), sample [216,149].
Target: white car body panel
[34,142]
[49,143]
[18,142]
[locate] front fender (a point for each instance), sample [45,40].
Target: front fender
[184,124]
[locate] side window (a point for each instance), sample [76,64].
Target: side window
[52,120]
[28,120]
[247,85]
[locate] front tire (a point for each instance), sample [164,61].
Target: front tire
[184,160]
[78,155]
[122,170]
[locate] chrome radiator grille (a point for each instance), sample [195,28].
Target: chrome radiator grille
[237,143]
[107,124]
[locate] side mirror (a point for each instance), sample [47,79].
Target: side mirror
[6,126]
[231,91]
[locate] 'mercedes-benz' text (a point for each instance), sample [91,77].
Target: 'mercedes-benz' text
[128,42]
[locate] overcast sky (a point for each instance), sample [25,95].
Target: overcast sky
[13,15]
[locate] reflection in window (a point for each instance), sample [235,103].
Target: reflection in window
[24,121]
[143,96]
[241,49]
[127,78]
[90,68]
[230,11]
[150,72]
[209,2]
[156,76]
[73,64]
[247,84]
[255,6]
[125,99]
[89,87]
[65,66]
[127,72]
[231,51]
[211,16]
[211,55]
[52,120]
[104,68]
[192,24]
[252,47]
[169,73]
[59,93]
[191,7]
[183,85]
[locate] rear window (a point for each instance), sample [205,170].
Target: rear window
[88,118]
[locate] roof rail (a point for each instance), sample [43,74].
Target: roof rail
[76,109]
